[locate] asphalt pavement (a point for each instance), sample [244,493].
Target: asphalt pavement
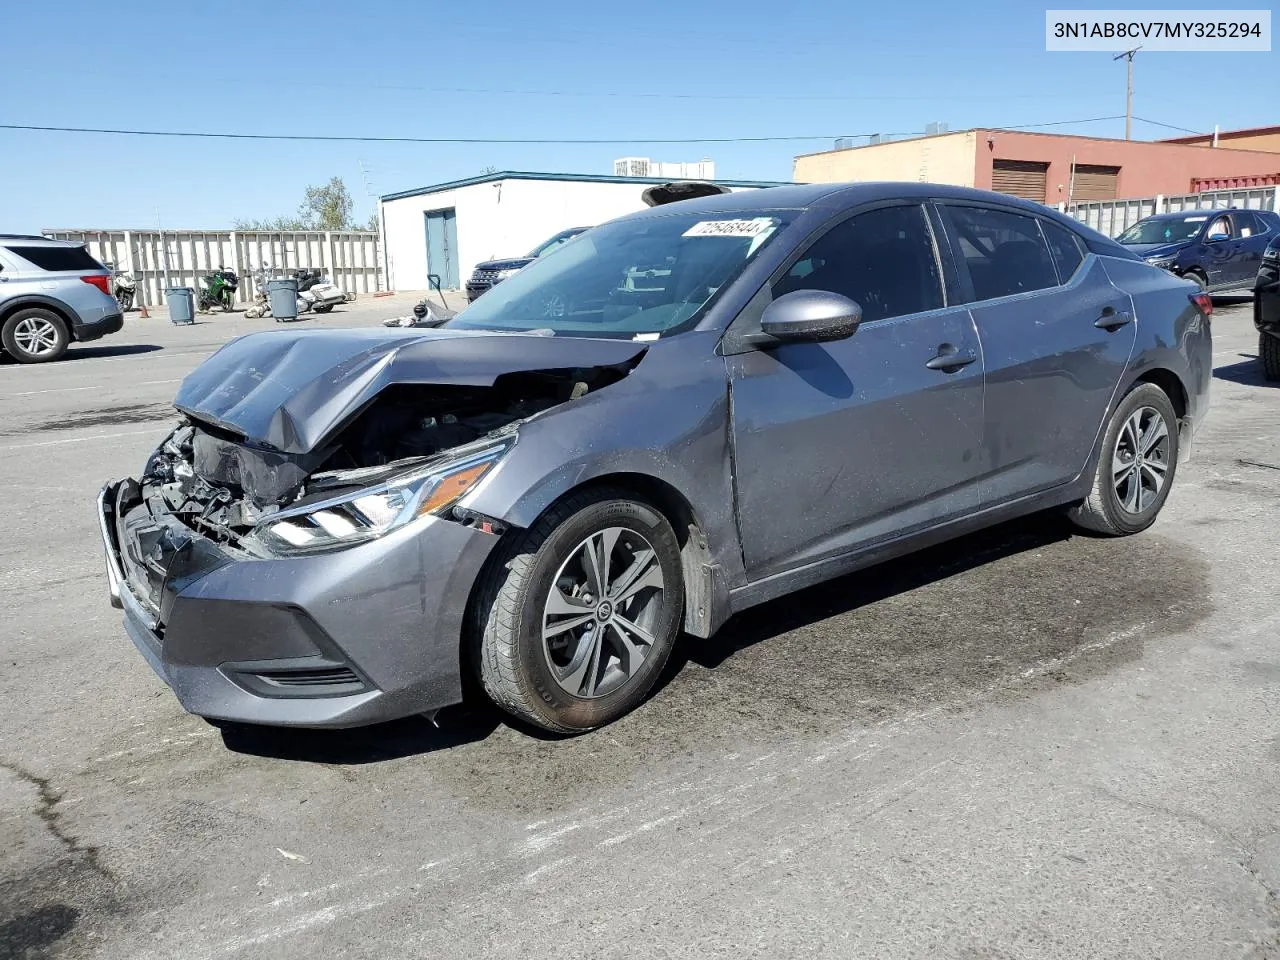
[1027,743]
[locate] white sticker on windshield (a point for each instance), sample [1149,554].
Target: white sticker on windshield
[645,337]
[1196,219]
[730,228]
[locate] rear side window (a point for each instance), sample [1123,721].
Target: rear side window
[882,259]
[1064,246]
[58,258]
[1247,225]
[1004,252]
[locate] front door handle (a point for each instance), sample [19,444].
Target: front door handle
[949,359]
[1113,319]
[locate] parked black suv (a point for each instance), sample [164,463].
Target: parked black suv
[1219,249]
[492,272]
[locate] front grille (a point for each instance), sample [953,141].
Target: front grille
[484,276]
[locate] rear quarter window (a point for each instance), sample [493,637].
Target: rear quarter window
[1068,252]
[57,258]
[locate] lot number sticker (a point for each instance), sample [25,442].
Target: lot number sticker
[731,228]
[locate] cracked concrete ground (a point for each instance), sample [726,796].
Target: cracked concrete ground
[1027,743]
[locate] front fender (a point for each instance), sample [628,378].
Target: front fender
[667,421]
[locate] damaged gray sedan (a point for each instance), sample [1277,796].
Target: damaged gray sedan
[676,416]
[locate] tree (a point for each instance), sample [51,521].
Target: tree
[326,207]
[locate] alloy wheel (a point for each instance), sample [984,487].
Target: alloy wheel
[598,620]
[36,336]
[1140,460]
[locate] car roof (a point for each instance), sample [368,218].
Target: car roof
[836,195]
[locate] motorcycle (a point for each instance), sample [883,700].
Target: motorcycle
[261,302]
[218,289]
[317,292]
[124,288]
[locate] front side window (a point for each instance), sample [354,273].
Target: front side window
[1220,229]
[1004,252]
[639,278]
[882,259]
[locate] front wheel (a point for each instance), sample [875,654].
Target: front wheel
[1136,466]
[579,614]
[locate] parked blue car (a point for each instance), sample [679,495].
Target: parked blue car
[1221,250]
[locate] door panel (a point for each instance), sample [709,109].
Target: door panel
[1054,351]
[1051,376]
[442,245]
[1252,240]
[1220,256]
[841,444]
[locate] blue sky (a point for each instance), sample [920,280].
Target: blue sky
[574,69]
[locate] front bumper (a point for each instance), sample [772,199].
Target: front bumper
[112,323]
[341,639]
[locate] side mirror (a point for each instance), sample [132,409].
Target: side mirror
[1216,237]
[811,315]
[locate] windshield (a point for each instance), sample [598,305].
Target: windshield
[559,240]
[1163,229]
[634,278]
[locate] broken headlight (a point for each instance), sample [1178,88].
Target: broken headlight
[369,512]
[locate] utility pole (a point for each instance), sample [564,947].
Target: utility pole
[1128,91]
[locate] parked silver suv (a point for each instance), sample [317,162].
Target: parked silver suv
[51,293]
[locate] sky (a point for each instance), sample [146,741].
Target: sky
[574,69]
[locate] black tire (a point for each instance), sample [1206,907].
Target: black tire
[1201,280]
[1104,511]
[514,666]
[323,308]
[19,336]
[1269,355]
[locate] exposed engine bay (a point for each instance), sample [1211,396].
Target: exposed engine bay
[221,485]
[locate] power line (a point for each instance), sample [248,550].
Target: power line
[208,135]
[213,135]
[1167,126]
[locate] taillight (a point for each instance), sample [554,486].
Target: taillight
[99,281]
[1203,302]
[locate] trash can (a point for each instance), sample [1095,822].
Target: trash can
[182,304]
[283,294]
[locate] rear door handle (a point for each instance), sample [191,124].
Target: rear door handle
[1113,319]
[949,359]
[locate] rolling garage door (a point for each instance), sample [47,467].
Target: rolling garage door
[1094,182]
[1022,178]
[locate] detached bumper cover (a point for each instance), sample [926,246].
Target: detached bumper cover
[353,637]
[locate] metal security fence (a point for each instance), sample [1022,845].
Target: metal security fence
[1114,216]
[178,258]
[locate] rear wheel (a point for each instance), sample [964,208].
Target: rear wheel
[1269,354]
[580,613]
[324,308]
[1136,466]
[35,335]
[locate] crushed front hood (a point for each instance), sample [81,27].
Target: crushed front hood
[290,391]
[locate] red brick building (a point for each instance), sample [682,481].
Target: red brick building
[1050,168]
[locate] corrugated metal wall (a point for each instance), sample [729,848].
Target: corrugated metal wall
[1114,216]
[178,258]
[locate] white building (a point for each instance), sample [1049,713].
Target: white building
[704,169]
[448,228]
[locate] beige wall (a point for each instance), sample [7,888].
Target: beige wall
[947,158]
[1267,139]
